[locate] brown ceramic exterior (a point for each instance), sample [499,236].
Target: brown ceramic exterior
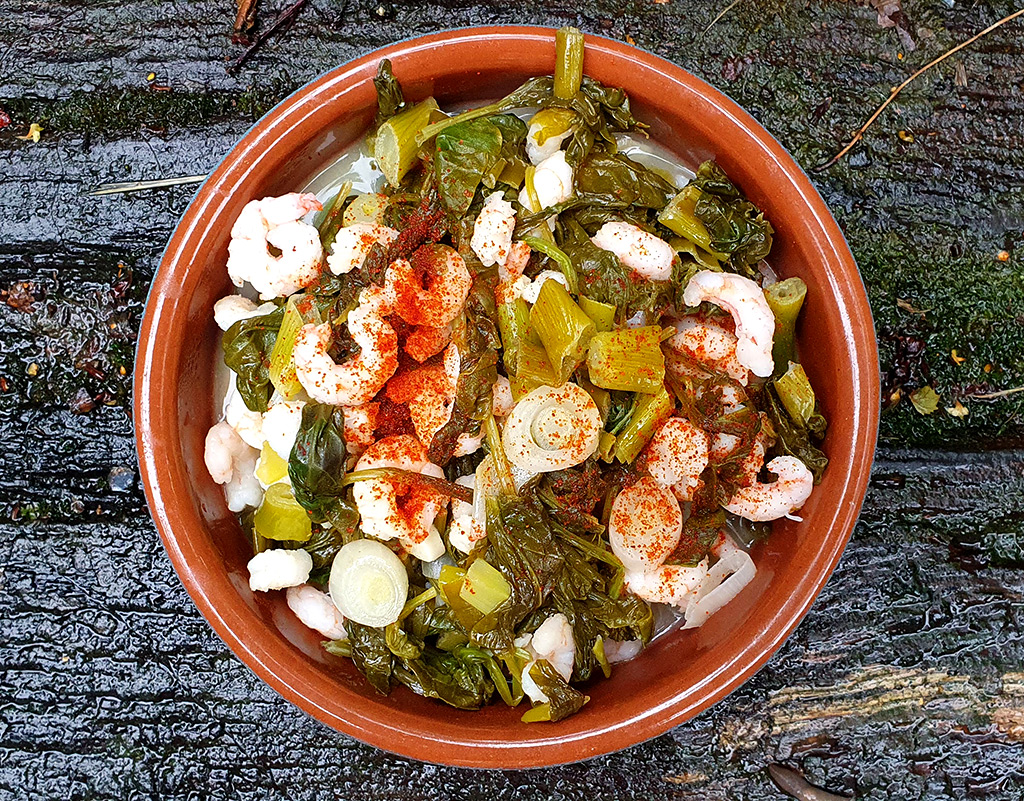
[681,674]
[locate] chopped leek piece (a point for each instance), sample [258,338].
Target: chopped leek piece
[484,588]
[602,398]
[551,122]
[568,63]
[533,370]
[450,585]
[606,446]
[678,216]
[280,517]
[796,394]
[271,468]
[785,299]
[367,208]
[395,147]
[603,314]
[513,322]
[703,259]
[649,412]
[282,366]
[369,583]
[537,714]
[629,359]
[563,328]
[555,253]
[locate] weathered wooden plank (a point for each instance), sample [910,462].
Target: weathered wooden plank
[910,659]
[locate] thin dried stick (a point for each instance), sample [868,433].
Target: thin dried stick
[137,186]
[721,14]
[860,134]
[286,17]
[994,395]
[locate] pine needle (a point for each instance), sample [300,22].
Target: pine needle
[994,395]
[860,133]
[138,186]
[721,14]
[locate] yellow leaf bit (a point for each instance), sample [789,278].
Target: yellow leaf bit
[958,360]
[925,399]
[34,132]
[957,410]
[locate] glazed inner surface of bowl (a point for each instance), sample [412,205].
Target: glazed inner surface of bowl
[682,671]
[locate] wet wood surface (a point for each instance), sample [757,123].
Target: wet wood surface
[905,681]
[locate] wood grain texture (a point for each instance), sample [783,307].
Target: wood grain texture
[905,681]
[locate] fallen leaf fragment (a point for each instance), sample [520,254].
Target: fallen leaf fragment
[5,119]
[906,306]
[1003,255]
[925,399]
[956,359]
[905,137]
[957,410]
[34,131]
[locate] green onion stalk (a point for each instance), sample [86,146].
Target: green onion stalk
[563,328]
[785,299]
[557,255]
[629,359]
[568,63]
[396,148]
[333,218]
[679,217]
[649,412]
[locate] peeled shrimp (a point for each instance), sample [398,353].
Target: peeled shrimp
[469,520]
[639,250]
[723,445]
[501,397]
[275,222]
[353,243]
[744,300]
[230,309]
[430,287]
[233,463]
[429,392]
[676,456]
[392,510]
[511,280]
[552,182]
[492,231]
[247,423]
[316,610]
[281,426]
[709,344]
[279,568]
[360,422]
[358,379]
[530,290]
[425,341]
[643,530]
[761,502]
[553,642]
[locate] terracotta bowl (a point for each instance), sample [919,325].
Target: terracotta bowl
[681,674]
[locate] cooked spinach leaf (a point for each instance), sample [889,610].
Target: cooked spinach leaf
[466,152]
[247,345]
[792,439]
[612,177]
[736,226]
[446,675]
[563,699]
[389,93]
[371,654]
[316,467]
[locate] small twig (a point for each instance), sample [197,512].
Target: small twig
[892,96]
[721,14]
[408,477]
[287,16]
[138,186]
[994,395]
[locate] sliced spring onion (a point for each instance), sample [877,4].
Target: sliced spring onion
[552,429]
[280,517]
[395,148]
[369,583]
[450,584]
[270,468]
[649,412]
[563,328]
[602,660]
[603,314]
[484,587]
[368,208]
[629,359]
